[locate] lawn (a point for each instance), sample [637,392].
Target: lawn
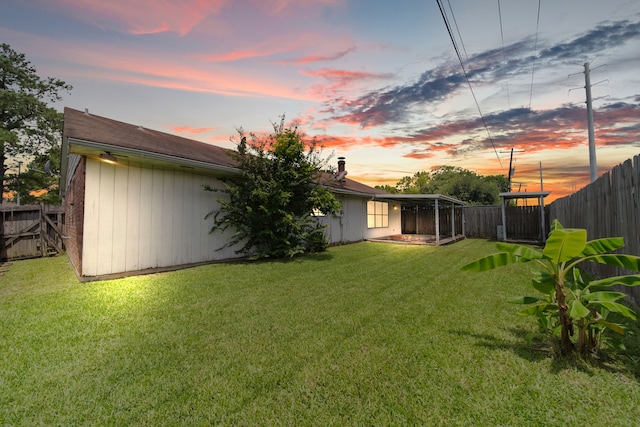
[364,334]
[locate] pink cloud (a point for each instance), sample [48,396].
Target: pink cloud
[338,81]
[112,63]
[285,44]
[279,7]
[145,16]
[191,130]
[317,58]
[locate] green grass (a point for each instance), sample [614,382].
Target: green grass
[364,334]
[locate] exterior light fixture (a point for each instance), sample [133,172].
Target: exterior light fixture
[107,157]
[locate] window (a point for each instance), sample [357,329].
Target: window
[377,214]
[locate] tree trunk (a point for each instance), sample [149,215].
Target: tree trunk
[565,320]
[583,338]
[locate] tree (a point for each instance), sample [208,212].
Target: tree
[456,182]
[28,126]
[38,182]
[270,206]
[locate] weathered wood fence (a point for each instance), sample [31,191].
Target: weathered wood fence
[30,231]
[483,221]
[421,220]
[608,207]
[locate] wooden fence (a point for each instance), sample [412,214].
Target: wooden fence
[421,220]
[482,221]
[30,231]
[523,222]
[608,207]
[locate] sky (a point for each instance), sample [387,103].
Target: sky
[378,82]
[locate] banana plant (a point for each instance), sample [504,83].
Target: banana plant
[570,301]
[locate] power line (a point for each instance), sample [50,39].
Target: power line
[458,30]
[535,54]
[455,47]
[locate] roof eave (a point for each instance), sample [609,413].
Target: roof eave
[180,161]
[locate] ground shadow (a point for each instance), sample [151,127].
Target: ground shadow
[315,256]
[520,347]
[624,362]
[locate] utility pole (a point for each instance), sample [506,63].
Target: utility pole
[593,168]
[511,169]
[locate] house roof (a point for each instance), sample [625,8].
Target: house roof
[348,186]
[85,133]
[84,129]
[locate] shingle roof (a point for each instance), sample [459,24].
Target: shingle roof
[83,126]
[89,127]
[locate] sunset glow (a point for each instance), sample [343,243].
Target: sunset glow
[376,82]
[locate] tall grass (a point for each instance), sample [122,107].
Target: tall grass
[364,334]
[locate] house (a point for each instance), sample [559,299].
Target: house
[134,200]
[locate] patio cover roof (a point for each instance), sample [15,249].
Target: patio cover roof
[419,198]
[525,195]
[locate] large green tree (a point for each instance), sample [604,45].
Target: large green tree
[457,182]
[270,206]
[29,127]
[39,181]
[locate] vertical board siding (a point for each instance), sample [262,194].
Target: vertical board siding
[91,219]
[178,254]
[139,218]
[608,207]
[141,211]
[134,212]
[120,210]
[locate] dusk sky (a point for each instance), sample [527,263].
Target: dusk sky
[375,81]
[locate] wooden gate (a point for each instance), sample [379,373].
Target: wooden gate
[31,231]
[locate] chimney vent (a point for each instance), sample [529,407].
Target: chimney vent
[341,164]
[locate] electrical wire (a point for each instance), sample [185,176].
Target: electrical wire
[535,54]
[464,71]
[466,56]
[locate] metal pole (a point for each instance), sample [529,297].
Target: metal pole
[593,169]
[541,184]
[18,196]
[437,219]
[453,220]
[510,171]
[504,221]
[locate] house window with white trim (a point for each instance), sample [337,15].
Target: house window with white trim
[377,214]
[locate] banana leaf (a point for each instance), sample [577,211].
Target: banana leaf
[565,244]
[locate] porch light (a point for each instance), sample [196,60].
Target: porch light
[107,157]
